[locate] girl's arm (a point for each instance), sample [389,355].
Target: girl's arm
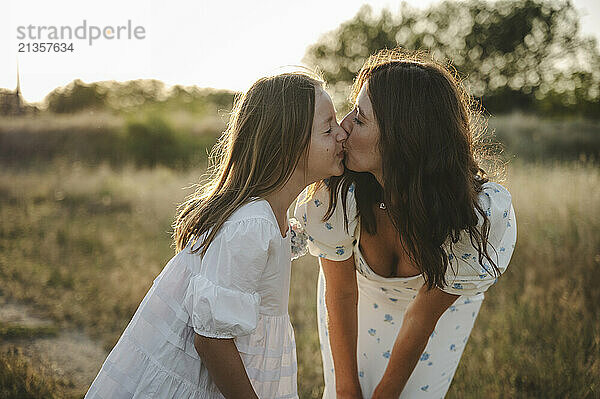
[225,366]
[341,299]
[419,322]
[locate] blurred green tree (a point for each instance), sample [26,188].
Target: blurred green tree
[523,54]
[76,96]
[152,140]
[135,96]
[134,93]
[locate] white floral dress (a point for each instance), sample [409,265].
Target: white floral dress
[383,301]
[239,289]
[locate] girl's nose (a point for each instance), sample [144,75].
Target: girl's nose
[347,123]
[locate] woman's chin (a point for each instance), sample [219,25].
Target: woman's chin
[353,166]
[349,164]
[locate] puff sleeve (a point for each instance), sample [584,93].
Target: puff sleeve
[327,239]
[465,276]
[222,300]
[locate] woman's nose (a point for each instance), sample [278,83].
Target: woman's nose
[347,122]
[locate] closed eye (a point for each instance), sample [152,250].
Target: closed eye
[357,121]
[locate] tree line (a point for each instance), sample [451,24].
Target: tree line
[513,54]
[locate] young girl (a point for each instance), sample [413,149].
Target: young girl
[215,322]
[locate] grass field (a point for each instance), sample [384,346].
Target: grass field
[177,138]
[82,245]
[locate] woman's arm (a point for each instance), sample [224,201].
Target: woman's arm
[225,366]
[341,299]
[419,322]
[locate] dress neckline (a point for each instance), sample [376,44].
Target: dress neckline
[364,261]
[287,220]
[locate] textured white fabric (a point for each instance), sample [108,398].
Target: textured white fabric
[239,289]
[383,301]
[472,278]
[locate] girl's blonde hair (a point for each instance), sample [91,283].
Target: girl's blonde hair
[267,135]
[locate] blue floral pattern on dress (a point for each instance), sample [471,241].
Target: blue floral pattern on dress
[298,239]
[383,301]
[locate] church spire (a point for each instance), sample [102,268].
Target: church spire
[18,89]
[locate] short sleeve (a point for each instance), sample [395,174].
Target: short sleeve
[465,276]
[327,239]
[222,300]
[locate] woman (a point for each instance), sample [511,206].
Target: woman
[408,238]
[215,322]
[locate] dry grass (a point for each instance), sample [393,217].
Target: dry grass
[538,333]
[19,379]
[529,137]
[176,138]
[84,244]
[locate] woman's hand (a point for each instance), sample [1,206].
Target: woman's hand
[419,322]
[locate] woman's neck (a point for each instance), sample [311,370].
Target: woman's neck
[378,176]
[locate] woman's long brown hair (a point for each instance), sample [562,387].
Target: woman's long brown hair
[429,144]
[268,134]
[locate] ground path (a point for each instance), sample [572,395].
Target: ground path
[67,354]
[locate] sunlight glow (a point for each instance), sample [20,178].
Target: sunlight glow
[221,44]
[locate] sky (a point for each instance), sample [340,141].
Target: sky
[219,43]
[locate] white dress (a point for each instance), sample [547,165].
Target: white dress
[383,301]
[239,289]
